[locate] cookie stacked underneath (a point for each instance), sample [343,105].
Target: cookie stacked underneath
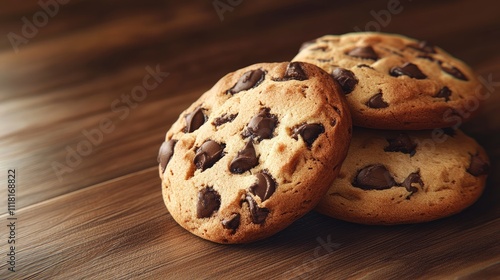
[413,165]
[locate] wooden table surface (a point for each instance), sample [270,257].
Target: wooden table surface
[82,118]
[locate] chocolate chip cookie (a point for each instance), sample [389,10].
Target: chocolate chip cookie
[255,152]
[399,177]
[395,82]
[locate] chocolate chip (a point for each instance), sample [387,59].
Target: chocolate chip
[208,202]
[478,166]
[232,222]
[247,81]
[363,52]
[408,69]
[402,143]
[208,154]
[376,102]
[257,214]
[454,71]
[294,71]
[165,153]
[445,93]
[224,119]
[261,126]
[345,78]
[308,132]
[264,187]
[194,120]
[413,178]
[423,46]
[374,177]
[244,160]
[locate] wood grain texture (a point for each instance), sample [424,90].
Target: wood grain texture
[105,219]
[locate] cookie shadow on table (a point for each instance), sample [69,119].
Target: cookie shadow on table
[306,231]
[317,244]
[311,230]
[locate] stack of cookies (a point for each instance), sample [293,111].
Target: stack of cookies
[413,164]
[272,141]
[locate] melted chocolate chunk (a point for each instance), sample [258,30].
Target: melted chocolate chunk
[244,160]
[247,81]
[194,120]
[208,154]
[413,178]
[224,119]
[408,69]
[261,126]
[363,52]
[264,187]
[257,214]
[454,71]
[423,46]
[231,223]
[478,166]
[376,102]
[165,153]
[308,132]
[374,177]
[402,143]
[294,71]
[208,202]
[346,79]
[445,93]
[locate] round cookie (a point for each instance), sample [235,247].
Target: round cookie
[255,152]
[394,82]
[393,177]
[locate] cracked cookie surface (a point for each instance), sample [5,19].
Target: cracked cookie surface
[255,152]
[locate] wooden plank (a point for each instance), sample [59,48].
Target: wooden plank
[121,229]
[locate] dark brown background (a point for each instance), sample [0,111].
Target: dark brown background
[105,219]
